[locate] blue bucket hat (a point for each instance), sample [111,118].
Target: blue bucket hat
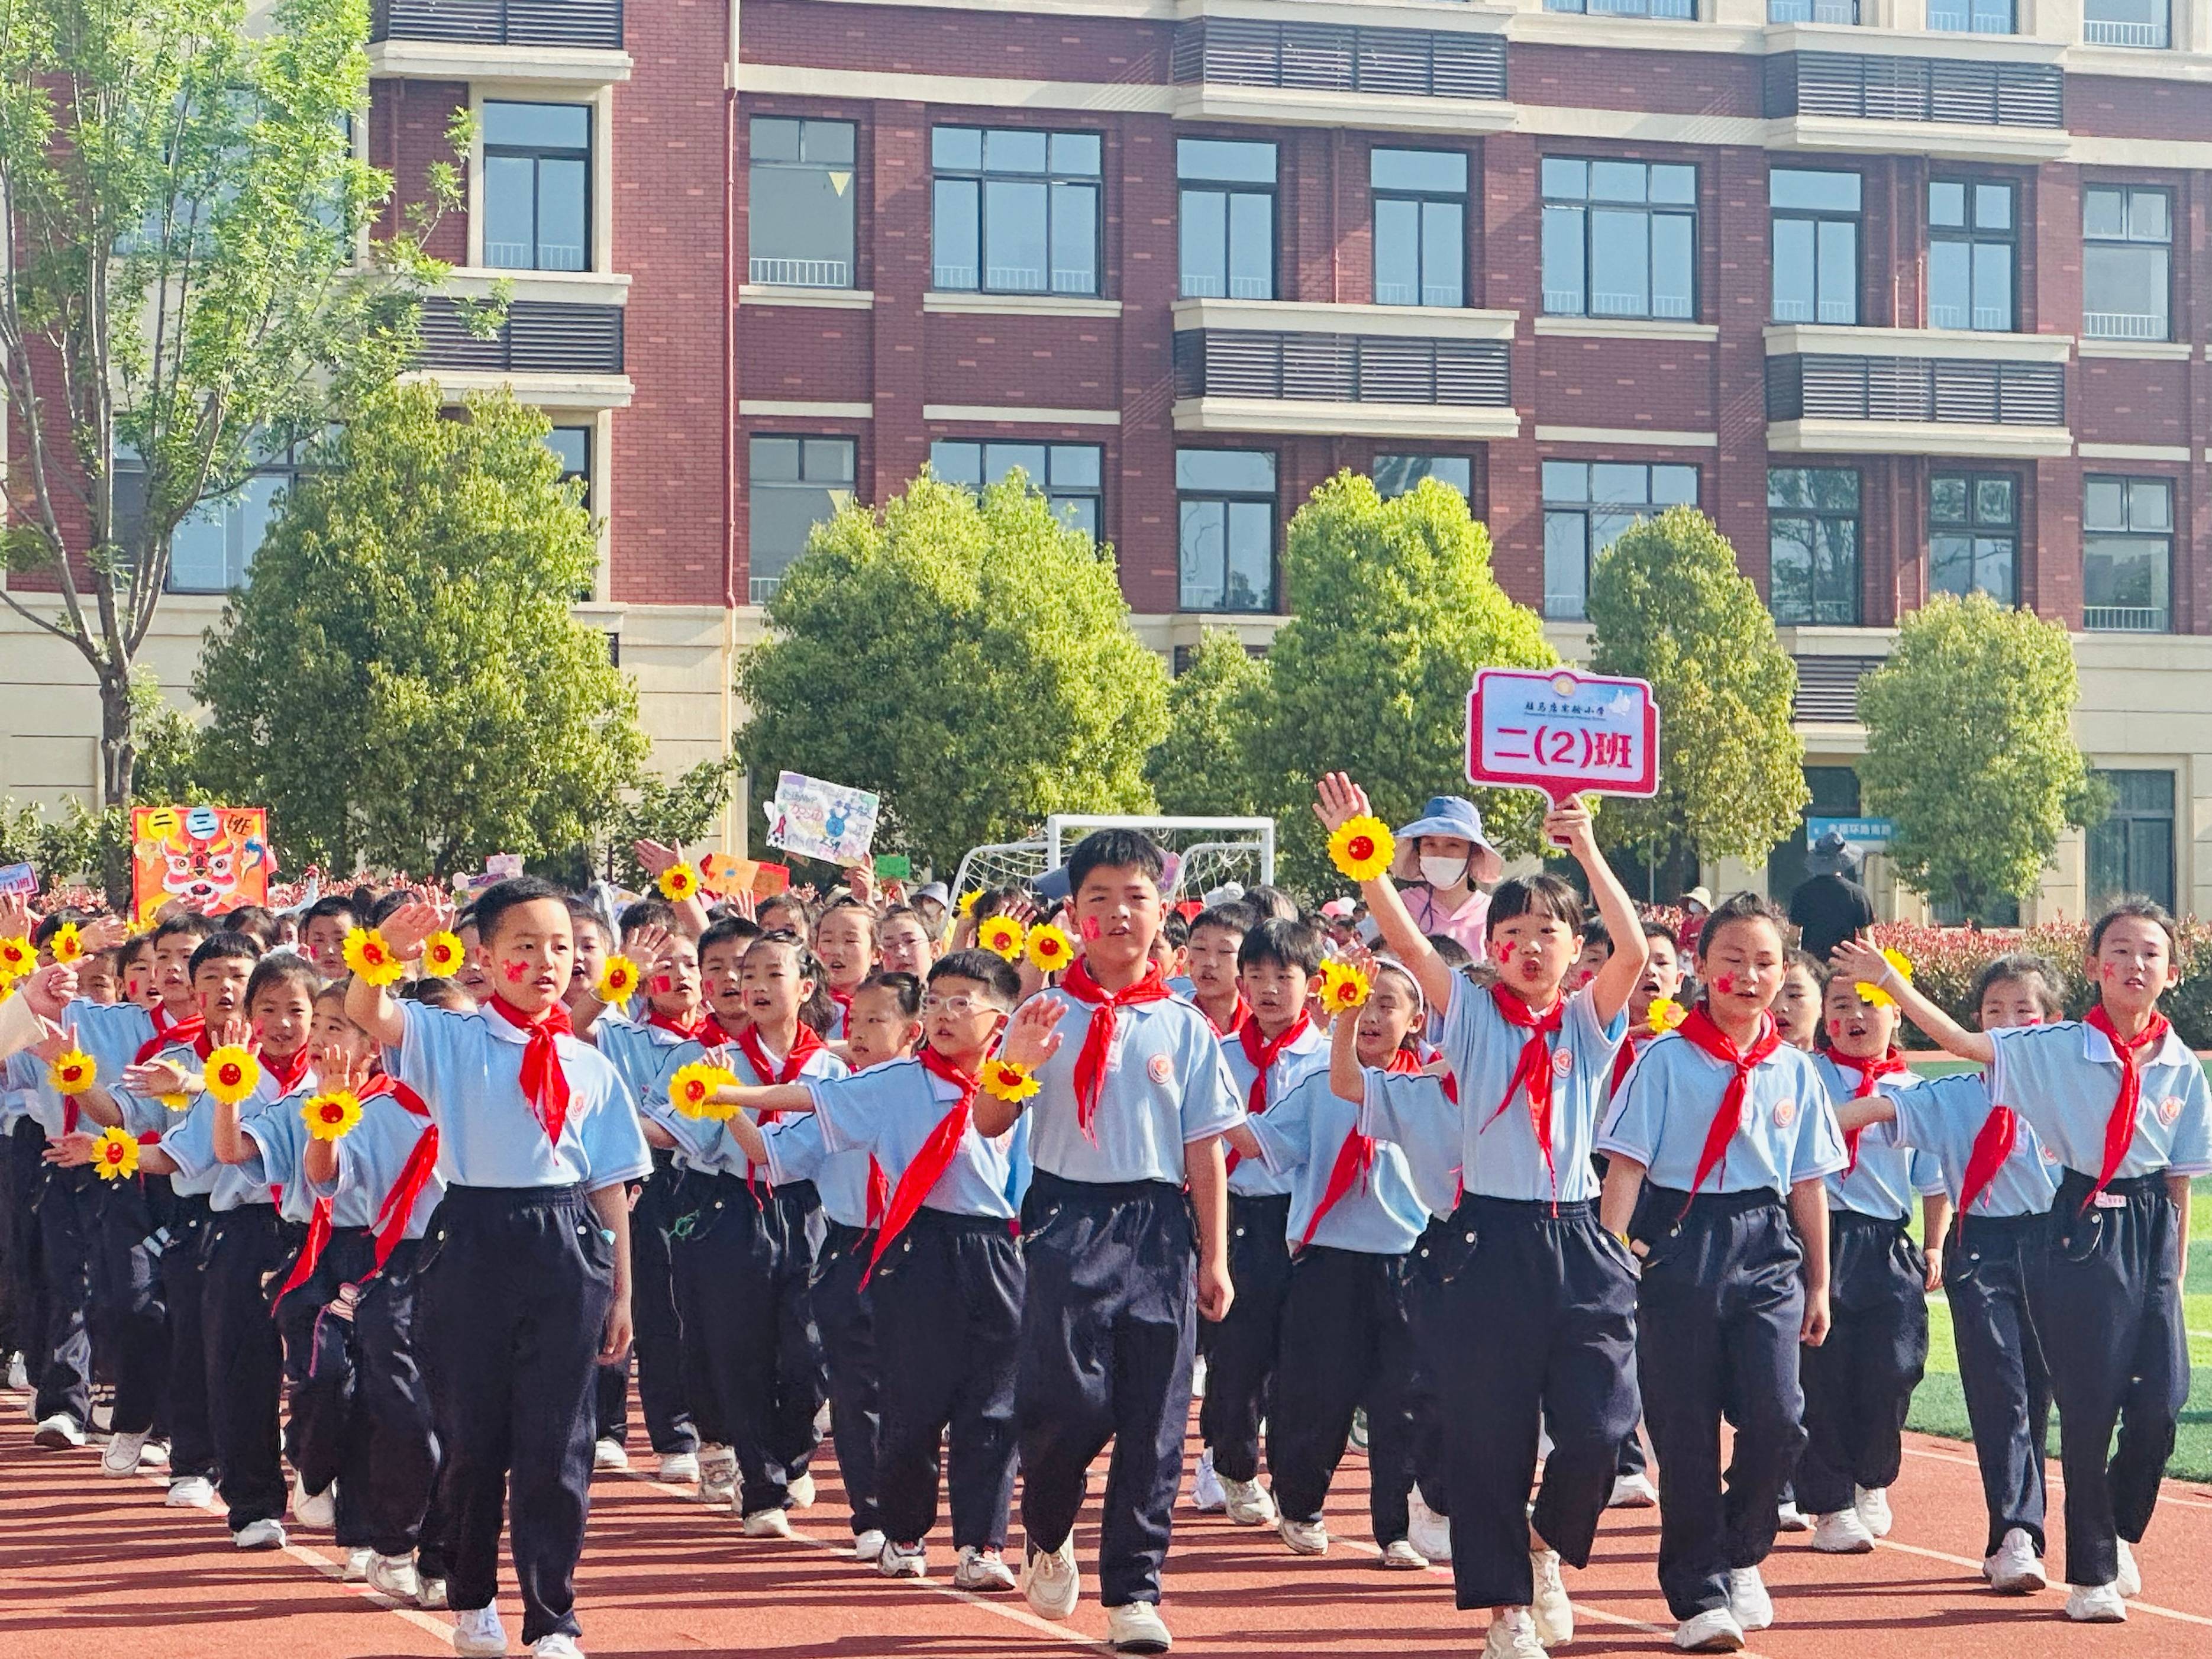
[1454,816]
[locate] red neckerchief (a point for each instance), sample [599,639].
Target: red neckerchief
[544,1085]
[391,1223]
[1887,1064]
[1098,1041]
[1631,1046]
[1262,1053]
[286,1074]
[202,1039]
[843,1001]
[1237,1015]
[1993,1145]
[930,1164]
[1356,1157]
[674,1027]
[1699,1031]
[178,1031]
[711,1033]
[804,1044]
[1533,1071]
[2120,1127]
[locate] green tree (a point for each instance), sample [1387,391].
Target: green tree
[679,809]
[1394,607]
[186,208]
[402,681]
[1203,766]
[1970,748]
[970,660]
[1668,605]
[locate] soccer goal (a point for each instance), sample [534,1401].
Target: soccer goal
[1208,851]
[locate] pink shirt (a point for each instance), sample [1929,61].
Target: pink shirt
[1468,924]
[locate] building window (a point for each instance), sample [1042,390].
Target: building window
[794,484]
[1970,255]
[572,448]
[798,203]
[1620,239]
[1973,534]
[1971,16]
[1421,226]
[1225,502]
[1677,8]
[1816,246]
[1016,210]
[213,546]
[2128,24]
[2127,553]
[1068,474]
[1587,504]
[537,186]
[2127,237]
[1812,545]
[2131,852]
[1228,219]
[1812,11]
[1396,475]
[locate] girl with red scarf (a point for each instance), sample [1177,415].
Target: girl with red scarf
[2122,1102]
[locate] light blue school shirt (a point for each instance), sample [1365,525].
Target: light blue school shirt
[1498,1150]
[279,1132]
[371,1158]
[890,1110]
[1410,1111]
[1301,1135]
[1890,1172]
[1945,1113]
[634,1050]
[2065,1080]
[113,1033]
[1251,1178]
[840,1180]
[468,1070]
[19,1088]
[1787,1132]
[191,1145]
[705,1143]
[1166,1085]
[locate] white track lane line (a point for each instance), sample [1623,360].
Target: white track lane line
[1976,1567]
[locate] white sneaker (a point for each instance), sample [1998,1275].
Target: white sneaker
[1513,1635]
[1748,1599]
[121,1457]
[1429,1533]
[680,1468]
[355,1569]
[1788,1518]
[717,1475]
[984,1572]
[190,1492]
[394,1575]
[1206,1496]
[60,1432]
[2097,1604]
[478,1632]
[1632,1492]
[867,1545]
[801,1492]
[607,1454]
[559,1645]
[1553,1612]
[432,1597]
[1197,1378]
[2129,1581]
[1249,1503]
[1399,1556]
[259,1535]
[153,1454]
[1841,1533]
[1304,1537]
[1137,1627]
[1050,1580]
[317,1510]
[1714,1631]
[767,1523]
[19,1374]
[1873,1504]
[2014,1569]
[902,1560]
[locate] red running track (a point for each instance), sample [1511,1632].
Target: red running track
[90,1566]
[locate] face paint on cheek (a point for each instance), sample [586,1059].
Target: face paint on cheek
[1725,984]
[663,982]
[515,971]
[1505,950]
[1090,929]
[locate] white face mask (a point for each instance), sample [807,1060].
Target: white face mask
[1443,871]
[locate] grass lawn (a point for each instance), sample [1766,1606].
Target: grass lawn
[1939,1405]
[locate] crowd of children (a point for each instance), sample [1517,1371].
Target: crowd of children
[362,1218]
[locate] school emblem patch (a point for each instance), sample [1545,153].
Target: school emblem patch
[1159,1068]
[1785,1112]
[1563,1062]
[2051,1155]
[2169,1109]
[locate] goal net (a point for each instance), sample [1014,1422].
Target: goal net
[1207,852]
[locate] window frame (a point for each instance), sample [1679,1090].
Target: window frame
[2126,193]
[1056,493]
[1187,185]
[1584,207]
[852,201]
[537,155]
[1815,517]
[754,490]
[1422,199]
[2012,19]
[982,176]
[1427,459]
[1973,528]
[1587,509]
[2162,30]
[2128,532]
[588,431]
[2127,818]
[285,464]
[1817,217]
[1228,498]
[1664,11]
[1971,235]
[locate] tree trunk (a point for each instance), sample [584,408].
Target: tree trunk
[117,758]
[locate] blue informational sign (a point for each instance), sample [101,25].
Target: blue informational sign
[1873,833]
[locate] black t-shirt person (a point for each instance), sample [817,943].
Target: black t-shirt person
[1827,910]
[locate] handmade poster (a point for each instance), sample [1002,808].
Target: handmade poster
[723,876]
[1562,733]
[820,820]
[209,859]
[19,878]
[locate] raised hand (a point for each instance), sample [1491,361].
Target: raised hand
[233,1030]
[71,1150]
[862,881]
[14,916]
[54,1040]
[104,933]
[1337,801]
[50,989]
[1860,961]
[1030,1039]
[157,1079]
[655,858]
[1571,827]
[405,929]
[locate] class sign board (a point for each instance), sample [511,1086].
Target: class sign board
[1562,733]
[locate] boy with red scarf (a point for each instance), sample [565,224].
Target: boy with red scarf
[1114,1274]
[944,1267]
[524,1287]
[1533,1323]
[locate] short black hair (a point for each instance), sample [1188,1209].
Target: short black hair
[986,968]
[904,912]
[436,993]
[1449,951]
[1265,900]
[1281,944]
[1547,895]
[1114,849]
[847,902]
[1812,964]
[382,908]
[2027,968]
[1738,908]
[254,918]
[192,922]
[339,905]
[494,904]
[225,947]
[818,1010]
[729,929]
[2136,906]
[1596,932]
[1231,918]
[647,913]
[786,900]
[1654,928]
[282,967]
[583,913]
[905,987]
[1174,932]
[54,920]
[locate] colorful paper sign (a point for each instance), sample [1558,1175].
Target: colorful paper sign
[894,866]
[769,879]
[208,858]
[18,878]
[503,866]
[1562,733]
[817,819]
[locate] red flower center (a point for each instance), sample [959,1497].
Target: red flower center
[230,1076]
[1360,848]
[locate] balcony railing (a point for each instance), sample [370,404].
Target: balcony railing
[2124,325]
[801,273]
[1342,368]
[1812,11]
[1817,386]
[2124,619]
[1331,58]
[1915,90]
[594,23]
[539,336]
[2099,32]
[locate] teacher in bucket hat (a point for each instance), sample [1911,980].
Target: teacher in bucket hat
[1443,862]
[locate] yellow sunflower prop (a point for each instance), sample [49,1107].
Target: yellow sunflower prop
[1362,847]
[115,1154]
[370,958]
[1343,986]
[331,1117]
[233,1072]
[1050,949]
[1002,935]
[1008,1081]
[1874,993]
